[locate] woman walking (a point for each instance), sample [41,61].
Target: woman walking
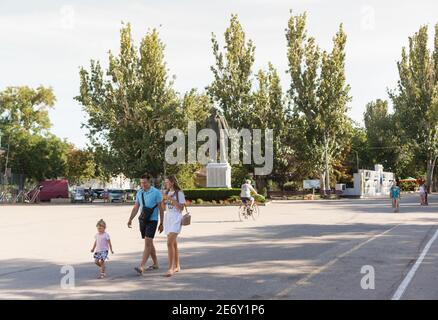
[174,201]
[423,194]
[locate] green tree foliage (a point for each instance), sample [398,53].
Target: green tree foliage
[268,111]
[25,109]
[80,166]
[232,72]
[38,157]
[320,96]
[240,173]
[359,156]
[196,107]
[131,105]
[381,136]
[416,100]
[25,125]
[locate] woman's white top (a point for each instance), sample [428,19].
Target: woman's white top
[173,216]
[422,189]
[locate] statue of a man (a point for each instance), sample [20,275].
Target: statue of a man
[219,124]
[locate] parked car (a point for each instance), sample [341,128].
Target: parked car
[79,195]
[98,193]
[116,195]
[54,189]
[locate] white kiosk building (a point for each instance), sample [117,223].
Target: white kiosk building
[370,183]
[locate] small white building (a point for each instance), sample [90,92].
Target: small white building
[371,183]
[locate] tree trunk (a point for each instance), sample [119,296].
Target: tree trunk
[327,177]
[429,176]
[326,168]
[261,182]
[322,182]
[435,183]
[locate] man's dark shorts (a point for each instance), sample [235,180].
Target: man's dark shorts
[148,229]
[245,200]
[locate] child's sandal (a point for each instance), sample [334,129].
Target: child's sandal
[139,271]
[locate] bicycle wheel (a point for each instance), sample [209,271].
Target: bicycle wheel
[255,211]
[242,213]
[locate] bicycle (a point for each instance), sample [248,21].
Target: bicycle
[246,211]
[6,197]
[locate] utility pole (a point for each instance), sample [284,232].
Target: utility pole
[357,159]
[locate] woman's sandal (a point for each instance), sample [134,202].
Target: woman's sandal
[169,274]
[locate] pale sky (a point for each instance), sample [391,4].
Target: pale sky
[45,42]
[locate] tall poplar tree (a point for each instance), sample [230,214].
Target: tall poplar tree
[416,100]
[131,105]
[320,95]
[232,84]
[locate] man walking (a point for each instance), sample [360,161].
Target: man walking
[149,200]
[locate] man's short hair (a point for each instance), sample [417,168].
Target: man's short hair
[147,177]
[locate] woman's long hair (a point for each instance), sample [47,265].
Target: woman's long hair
[175,183]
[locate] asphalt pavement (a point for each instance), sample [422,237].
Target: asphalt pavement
[295,250]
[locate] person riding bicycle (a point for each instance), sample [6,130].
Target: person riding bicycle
[245,194]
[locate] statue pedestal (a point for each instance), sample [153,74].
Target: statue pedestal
[218,175]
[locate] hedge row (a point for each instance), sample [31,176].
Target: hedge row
[209,194]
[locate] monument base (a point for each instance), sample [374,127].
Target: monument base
[218,175]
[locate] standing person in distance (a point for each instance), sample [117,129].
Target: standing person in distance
[394,194]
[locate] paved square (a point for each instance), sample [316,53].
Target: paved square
[295,250]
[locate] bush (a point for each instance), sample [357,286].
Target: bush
[209,194]
[259,198]
[292,186]
[234,198]
[408,186]
[199,201]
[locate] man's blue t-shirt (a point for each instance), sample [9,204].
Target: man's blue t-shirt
[395,191]
[152,197]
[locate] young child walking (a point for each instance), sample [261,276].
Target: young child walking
[102,244]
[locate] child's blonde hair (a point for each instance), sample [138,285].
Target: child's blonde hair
[101,223]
